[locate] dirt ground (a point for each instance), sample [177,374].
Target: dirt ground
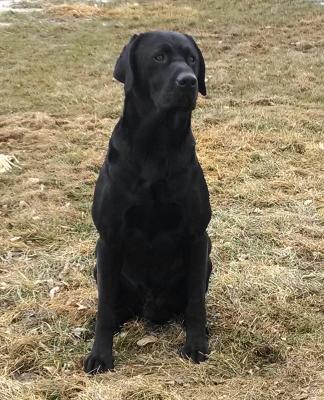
[261,144]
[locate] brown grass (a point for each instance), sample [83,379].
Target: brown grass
[260,141]
[133,11]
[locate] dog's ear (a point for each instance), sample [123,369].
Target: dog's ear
[124,68]
[201,74]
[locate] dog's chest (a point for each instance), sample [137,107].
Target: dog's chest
[153,234]
[152,218]
[154,209]
[152,237]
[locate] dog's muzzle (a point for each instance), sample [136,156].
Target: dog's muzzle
[187,89]
[187,82]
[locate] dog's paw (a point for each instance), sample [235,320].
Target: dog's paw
[98,363]
[197,350]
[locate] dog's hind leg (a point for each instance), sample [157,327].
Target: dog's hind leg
[129,303]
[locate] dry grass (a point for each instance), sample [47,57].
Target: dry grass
[260,140]
[132,11]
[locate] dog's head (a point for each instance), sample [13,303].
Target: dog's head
[166,67]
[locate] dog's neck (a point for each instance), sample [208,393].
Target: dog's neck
[149,124]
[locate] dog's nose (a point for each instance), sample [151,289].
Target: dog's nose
[186,80]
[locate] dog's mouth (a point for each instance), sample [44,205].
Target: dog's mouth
[179,102]
[188,103]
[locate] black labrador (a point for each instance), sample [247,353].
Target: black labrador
[151,202]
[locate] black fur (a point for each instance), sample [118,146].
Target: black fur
[151,202]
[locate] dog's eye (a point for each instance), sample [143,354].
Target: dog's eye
[191,59]
[159,58]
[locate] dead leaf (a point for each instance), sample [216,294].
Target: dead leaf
[7,162]
[53,292]
[50,369]
[22,204]
[33,180]
[147,340]
[302,396]
[81,306]
[15,238]
[79,331]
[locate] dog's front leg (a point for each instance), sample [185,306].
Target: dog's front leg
[108,274]
[196,256]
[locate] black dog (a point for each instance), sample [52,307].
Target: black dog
[151,202]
